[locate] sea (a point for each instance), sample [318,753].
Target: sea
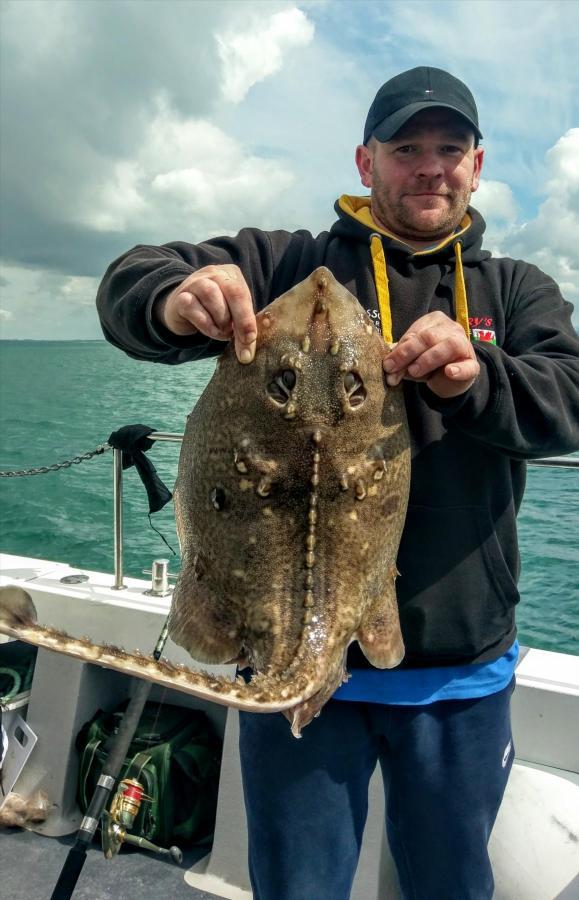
[61,399]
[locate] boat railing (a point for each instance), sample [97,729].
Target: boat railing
[554,462]
[169,436]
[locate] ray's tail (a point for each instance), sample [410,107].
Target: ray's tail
[265,693]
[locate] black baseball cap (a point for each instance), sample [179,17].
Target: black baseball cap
[412,91]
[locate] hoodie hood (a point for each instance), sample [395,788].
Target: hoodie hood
[462,247]
[355,222]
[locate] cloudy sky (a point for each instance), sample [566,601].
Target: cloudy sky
[145,121]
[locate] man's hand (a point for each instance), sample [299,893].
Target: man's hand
[216,301]
[437,351]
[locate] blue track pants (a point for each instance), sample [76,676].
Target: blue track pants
[445,765]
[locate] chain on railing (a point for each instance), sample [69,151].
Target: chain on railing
[55,467]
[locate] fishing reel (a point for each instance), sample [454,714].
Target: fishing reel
[117,821]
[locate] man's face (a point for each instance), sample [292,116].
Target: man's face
[422,179]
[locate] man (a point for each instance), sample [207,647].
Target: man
[490,364]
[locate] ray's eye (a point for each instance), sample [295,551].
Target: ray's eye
[288,376]
[217,498]
[279,389]
[355,390]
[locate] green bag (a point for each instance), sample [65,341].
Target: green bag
[16,670]
[175,754]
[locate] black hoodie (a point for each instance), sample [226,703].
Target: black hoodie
[458,558]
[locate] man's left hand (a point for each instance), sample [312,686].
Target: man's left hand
[437,351]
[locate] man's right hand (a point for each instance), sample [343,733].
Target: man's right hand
[216,301]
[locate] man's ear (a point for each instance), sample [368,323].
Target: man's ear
[365,164]
[478,161]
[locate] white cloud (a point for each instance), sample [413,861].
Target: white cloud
[78,290]
[563,161]
[551,239]
[55,30]
[119,201]
[496,202]
[248,57]
[188,178]
[41,304]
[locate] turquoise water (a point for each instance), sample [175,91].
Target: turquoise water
[59,399]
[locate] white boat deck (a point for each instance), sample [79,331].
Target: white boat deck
[535,844]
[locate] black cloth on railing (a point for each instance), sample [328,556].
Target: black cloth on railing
[133,441]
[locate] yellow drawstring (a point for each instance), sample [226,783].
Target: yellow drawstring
[461,306]
[382,290]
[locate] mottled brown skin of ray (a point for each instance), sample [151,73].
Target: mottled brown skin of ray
[290,500]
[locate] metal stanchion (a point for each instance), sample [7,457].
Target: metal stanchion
[119,584]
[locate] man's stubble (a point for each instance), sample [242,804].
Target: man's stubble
[402,221]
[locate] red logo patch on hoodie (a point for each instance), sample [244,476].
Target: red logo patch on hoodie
[481,329]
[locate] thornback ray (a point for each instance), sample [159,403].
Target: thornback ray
[291,497]
[290,502]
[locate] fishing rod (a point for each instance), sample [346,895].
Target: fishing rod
[121,741]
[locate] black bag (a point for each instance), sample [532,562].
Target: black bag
[175,755]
